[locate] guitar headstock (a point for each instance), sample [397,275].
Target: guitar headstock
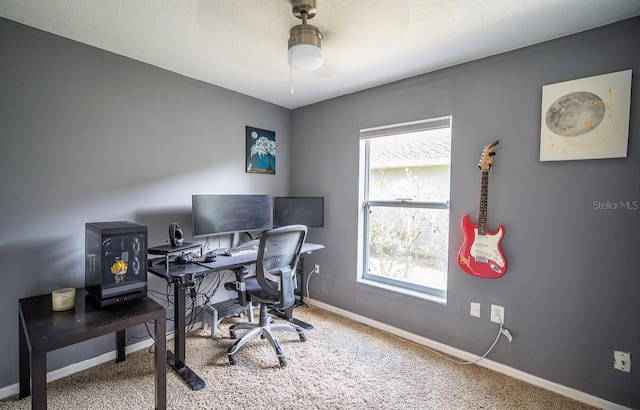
[486,160]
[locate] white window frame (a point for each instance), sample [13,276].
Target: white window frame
[365,205]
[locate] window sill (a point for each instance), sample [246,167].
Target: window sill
[402,291]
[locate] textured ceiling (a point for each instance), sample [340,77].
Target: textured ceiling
[242,44]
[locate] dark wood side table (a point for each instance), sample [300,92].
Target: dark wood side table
[43,330]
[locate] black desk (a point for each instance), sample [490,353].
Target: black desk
[182,277]
[43,330]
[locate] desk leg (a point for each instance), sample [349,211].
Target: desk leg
[177,361]
[25,361]
[38,379]
[33,371]
[179,304]
[120,346]
[160,326]
[287,315]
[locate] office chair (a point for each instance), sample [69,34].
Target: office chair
[272,287]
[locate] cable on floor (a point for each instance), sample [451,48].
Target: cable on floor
[500,331]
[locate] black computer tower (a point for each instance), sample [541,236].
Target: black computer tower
[115,261]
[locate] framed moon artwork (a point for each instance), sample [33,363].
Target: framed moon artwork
[586,118]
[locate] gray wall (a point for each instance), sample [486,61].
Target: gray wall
[87,135]
[571,292]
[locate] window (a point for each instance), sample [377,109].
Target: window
[404,219]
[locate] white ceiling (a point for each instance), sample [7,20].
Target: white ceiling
[242,44]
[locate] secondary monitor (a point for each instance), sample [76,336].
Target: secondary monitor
[225,214]
[293,210]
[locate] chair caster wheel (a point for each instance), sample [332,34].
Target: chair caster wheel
[232,360]
[303,337]
[233,334]
[283,362]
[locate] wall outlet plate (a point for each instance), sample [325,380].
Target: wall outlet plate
[497,314]
[622,361]
[475,309]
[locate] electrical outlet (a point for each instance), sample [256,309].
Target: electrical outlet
[622,361]
[497,314]
[317,268]
[475,309]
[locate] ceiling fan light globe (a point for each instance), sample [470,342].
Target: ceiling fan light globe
[305,57]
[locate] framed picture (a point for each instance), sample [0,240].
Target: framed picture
[261,151]
[586,118]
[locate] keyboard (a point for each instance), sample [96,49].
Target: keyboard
[241,250]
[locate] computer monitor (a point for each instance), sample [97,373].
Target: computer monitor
[293,210]
[225,214]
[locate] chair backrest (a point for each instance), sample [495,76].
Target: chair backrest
[278,255]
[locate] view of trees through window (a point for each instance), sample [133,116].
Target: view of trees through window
[406,227]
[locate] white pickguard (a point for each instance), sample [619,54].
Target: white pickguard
[485,248]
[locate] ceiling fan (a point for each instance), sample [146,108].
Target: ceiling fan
[305,40]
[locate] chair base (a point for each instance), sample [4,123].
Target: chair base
[265,329]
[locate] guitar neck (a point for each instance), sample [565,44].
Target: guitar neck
[483,219]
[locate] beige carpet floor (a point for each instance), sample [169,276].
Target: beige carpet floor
[343,365]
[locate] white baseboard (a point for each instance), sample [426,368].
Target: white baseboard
[14,389]
[461,354]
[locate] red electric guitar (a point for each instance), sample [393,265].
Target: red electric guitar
[481,254]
